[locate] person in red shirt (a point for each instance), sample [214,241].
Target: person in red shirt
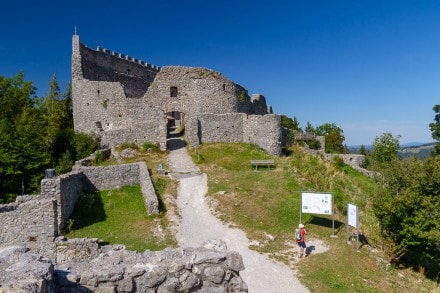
[301,242]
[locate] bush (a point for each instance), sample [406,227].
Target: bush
[338,162]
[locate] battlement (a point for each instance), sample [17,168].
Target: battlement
[127,57]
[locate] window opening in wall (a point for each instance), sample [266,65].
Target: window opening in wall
[128,70]
[224,87]
[98,92]
[99,125]
[173,92]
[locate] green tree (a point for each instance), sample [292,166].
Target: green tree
[23,147]
[289,123]
[363,150]
[58,116]
[435,129]
[407,205]
[334,138]
[385,149]
[309,128]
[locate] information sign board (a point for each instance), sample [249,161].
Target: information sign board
[316,203]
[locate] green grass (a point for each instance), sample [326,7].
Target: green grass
[118,217]
[268,201]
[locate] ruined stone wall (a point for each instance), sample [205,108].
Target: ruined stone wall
[124,100]
[110,177]
[82,265]
[101,108]
[194,91]
[264,131]
[30,221]
[66,189]
[221,128]
[148,192]
[108,98]
[103,65]
[116,176]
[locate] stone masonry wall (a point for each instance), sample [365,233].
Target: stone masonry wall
[221,128]
[83,266]
[30,221]
[110,177]
[108,101]
[66,189]
[148,193]
[116,176]
[199,90]
[264,131]
[123,100]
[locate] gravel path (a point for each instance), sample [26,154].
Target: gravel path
[198,225]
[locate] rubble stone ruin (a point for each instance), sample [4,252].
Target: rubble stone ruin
[122,99]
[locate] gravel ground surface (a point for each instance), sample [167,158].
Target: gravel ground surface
[198,225]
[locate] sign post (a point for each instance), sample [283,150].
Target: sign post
[317,203]
[353,220]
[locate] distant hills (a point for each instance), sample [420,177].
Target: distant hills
[421,151]
[413,149]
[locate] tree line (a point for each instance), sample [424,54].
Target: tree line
[36,133]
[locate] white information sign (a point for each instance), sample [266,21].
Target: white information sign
[316,203]
[352,213]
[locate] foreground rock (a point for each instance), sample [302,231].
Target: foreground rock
[81,265]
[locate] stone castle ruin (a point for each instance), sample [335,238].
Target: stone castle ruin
[122,99]
[35,258]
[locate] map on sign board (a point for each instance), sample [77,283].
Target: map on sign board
[316,203]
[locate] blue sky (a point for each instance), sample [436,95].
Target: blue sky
[370,67]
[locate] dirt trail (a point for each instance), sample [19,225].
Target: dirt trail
[198,225]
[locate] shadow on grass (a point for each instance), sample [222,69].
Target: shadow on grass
[88,210]
[325,222]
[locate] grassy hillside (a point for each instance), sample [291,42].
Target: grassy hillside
[266,205]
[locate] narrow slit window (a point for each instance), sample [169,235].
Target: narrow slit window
[173,92]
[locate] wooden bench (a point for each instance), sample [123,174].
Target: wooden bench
[267,163]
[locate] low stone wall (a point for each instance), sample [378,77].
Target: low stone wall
[116,176]
[66,189]
[30,221]
[148,193]
[83,266]
[110,177]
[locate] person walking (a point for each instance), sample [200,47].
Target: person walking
[300,239]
